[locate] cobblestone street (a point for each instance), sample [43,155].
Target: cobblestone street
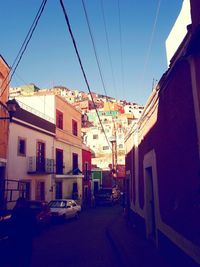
[100,237]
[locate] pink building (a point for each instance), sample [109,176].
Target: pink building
[86,171]
[163,153]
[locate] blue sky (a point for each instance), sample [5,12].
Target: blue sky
[50,58]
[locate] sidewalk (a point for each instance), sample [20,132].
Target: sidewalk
[130,248]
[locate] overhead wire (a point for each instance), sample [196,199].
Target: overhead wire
[81,65]
[120,42]
[24,45]
[98,64]
[94,48]
[95,52]
[108,46]
[151,39]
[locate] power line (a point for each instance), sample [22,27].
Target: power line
[94,47]
[121,53]
[108,46]
[98,63]
[81,65]
[95,52]
[25,44]
[151,38]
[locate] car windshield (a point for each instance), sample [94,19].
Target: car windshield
[58,204]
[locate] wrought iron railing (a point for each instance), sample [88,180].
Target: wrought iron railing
[40,165]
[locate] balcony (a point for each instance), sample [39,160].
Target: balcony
[38,165]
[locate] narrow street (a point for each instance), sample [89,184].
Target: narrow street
[100,237]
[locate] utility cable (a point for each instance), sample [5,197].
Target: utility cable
[25,44]
[81,65]
[108,47]
[94,47]
[151,38]
[95,52]
[98,64]
[121,53]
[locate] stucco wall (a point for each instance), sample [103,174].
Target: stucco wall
[43,103]
[68,150]
[178,31]
[4,124]
[69,113]
[18,165]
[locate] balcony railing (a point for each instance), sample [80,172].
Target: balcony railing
[38,165]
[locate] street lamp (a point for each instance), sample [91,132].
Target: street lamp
[11,107]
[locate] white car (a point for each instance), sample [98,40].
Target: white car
[64,208]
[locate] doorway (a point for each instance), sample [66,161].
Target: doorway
[40,190]
[58,193]
[96,187]
[150,206]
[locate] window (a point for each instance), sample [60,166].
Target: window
[105,147]
[40,160]
[95,136]
[21,147]
[120,145]
[74,128]
[86,170]
[59,161]
[59,119]
[75,163]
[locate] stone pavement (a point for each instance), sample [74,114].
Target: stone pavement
[130,248]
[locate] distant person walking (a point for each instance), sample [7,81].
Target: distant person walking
[23,227]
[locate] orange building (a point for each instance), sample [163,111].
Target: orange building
[4,124]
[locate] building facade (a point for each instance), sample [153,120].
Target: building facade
[30,166]
[4,125]
[87,175]
[67,181]
[163,155]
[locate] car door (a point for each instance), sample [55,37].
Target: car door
[70,212]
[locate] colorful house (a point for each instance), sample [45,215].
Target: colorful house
[67,181]
[163,153]
[87,175]
[4,125]
[96,179]
[30,158]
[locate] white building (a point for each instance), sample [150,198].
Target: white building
[30,157]
[134,109]
[178,31]
[67,143]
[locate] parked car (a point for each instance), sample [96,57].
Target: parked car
[107,196]
[41,210]
[4,232]
[64,209]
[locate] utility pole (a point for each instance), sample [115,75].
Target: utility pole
[113,141]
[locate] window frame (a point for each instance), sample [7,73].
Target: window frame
[96,136]
[74,127]
[18,146]
[59,119]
